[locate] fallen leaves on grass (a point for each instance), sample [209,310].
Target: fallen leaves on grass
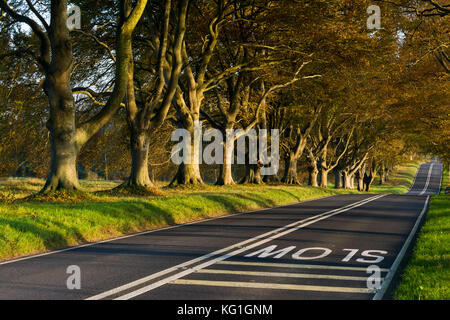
[7,197]
[64,196]
[127,190]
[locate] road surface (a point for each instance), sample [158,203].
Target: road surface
[338,247]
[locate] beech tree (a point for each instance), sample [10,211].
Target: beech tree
[295,119]
[147,112]
[56,62]
[193,82]
[329,129]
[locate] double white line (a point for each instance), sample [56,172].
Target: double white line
[191,266]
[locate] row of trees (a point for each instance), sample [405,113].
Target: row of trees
[347,100]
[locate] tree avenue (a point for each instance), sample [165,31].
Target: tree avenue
[102,100]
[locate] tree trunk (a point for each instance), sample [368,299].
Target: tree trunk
[323,178]
[188,174]
[63,145]
[368,179]
[313,175]
[252,174]
[360,181]
[323,172]
[139,121]
[360,177]
[337,179]
[348,180]
[225,175]
[290,169]
[313,169]
[139,177]
[63,164]
[382,176]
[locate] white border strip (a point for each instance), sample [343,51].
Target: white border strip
[380,293]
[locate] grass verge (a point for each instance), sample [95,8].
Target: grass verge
[427,274]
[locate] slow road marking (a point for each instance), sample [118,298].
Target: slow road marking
[297,265]
[221,254]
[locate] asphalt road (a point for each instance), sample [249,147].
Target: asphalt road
[338,247]
[427,180]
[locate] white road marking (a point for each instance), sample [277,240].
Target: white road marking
[380,293]
[283,274]
[278,286]
[297,265]
[428,180]
[206,256]
[269,236]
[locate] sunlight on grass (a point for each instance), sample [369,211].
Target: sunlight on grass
[427,275]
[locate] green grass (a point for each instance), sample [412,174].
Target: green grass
[43,224]
[427,274]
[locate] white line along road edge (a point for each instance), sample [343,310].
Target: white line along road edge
[380,293]
[263,238]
